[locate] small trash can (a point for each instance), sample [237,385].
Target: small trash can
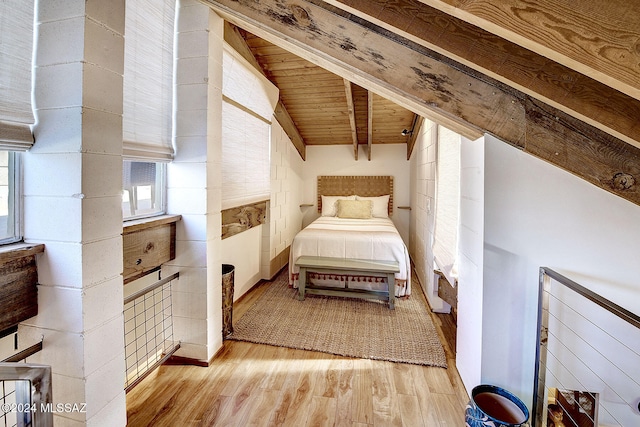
[227,300]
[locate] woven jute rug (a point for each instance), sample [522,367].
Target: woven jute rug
[350,327]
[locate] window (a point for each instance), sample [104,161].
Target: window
[143,189]
[9,200]
[16,112]
[249,100]
[16,52]
[445,245]
[147,105]
[245,157]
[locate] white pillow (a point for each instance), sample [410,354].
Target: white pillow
[380,205]
[329,205]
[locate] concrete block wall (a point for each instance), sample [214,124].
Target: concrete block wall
[72,204]
[194,182]
[285,217]
[423,168]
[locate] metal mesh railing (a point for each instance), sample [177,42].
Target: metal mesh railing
[8,400]
[588,358]
[148,330]
[16,400]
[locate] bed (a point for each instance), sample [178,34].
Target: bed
[354,224]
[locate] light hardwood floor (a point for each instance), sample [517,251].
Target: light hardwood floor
[259,385]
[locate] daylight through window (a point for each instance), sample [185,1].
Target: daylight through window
[143,189]
[9,225]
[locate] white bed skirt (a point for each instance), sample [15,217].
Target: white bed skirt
[369,239]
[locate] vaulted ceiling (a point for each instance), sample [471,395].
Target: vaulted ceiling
[318,107]
[558,79]
[327,108]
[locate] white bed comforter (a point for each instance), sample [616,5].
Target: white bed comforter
[375,238]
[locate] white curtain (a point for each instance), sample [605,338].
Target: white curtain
[148,79]
[249,100]
[445,245]
[16,52]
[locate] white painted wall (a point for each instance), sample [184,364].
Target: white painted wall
[243,251]
[386,159]
[538,215]
[471,262]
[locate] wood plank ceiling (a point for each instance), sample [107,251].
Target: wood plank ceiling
[558,79]
[325,108]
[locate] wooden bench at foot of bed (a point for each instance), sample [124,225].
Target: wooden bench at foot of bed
[386,269]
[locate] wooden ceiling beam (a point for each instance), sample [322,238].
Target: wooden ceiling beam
[352,117]
[417,124]
[438,88]
[289,127]
[272,21]
[601,40]
[558,85]
[360,100]
[234,39]
[369,124]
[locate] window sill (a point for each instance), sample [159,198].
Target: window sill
[144,223]
[18,250]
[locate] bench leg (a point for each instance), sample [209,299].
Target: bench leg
[391,281]
[302,283]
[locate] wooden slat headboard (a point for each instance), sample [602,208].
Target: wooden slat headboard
[366,186]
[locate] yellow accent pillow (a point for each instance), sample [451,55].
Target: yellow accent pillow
[330,206]
[357,209]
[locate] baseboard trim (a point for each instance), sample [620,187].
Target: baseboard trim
[181,360]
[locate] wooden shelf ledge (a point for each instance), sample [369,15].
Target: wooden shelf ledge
[18,283]
[141,224]
[147,244]
[19,250]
